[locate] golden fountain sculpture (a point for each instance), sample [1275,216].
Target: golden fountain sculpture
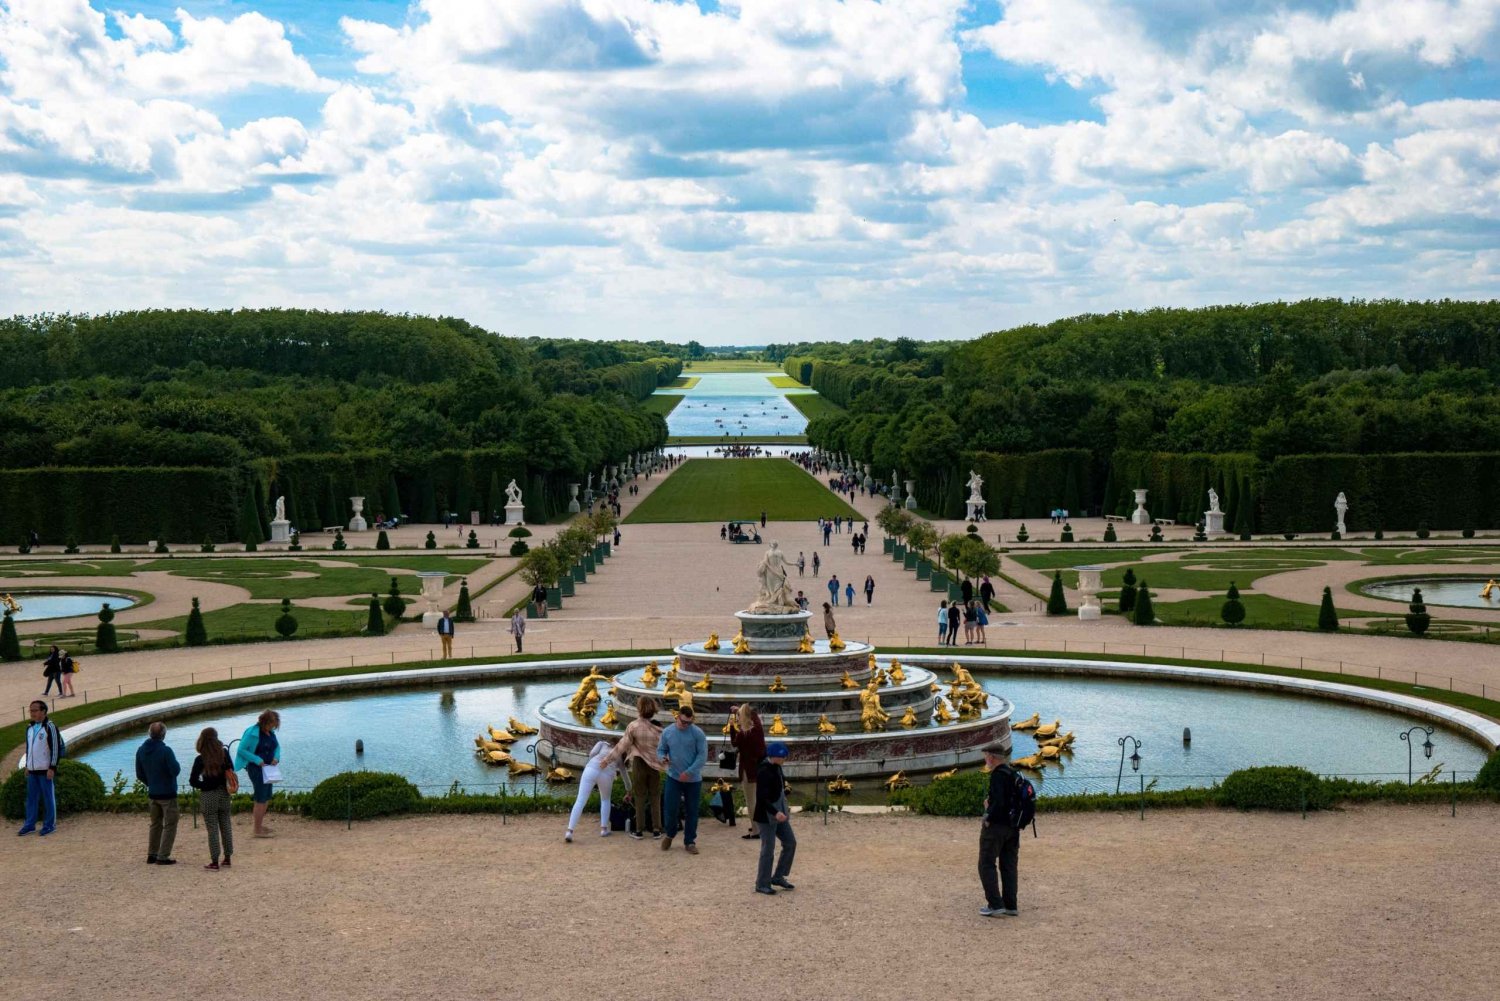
[910,719]
[704,685]
[825,725]
[777,685]
[610,717]
[518,728]
[848,682]
[871,714]
[777,728]
[741,645]
[897,675]
[806,645]
[586,690]
[942,713]
[834,643]
[650,676]
[712,643]
[898,781]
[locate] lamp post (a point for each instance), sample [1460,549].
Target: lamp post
[823,744]
[1426,746]
[1135,759]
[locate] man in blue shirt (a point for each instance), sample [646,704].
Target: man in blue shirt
[683,751]
[157,766]
[833,590]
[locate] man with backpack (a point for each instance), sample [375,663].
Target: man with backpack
[44,749]
[1008,809]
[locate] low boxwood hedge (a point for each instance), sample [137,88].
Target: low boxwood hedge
[1275,787]
[79,790]
[362,795]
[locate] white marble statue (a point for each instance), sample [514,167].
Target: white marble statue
[512,493]
[1213,500]
[775,595]
[281,508]
[1340,508]
[975,483]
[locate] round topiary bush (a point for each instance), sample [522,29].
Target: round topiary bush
[1489,775]
[362,795]
[519,548]
[520,532]
[286,622]
[1274,787]
[79,789]
[1109,533]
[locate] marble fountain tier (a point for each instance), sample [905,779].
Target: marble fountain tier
[807,692]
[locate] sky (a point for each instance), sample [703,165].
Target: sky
[744,173]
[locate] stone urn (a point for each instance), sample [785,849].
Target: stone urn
[357,523]
[432,593]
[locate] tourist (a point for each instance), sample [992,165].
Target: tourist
[816,563]
[968,623]
[52,670]
[617,530]
[44,749]
[210,775]
[258,749]
[749,738]
[864,534]
[801,563]
[445,634]
[999,837]
[518,627]
[637,750]
[966,590]
[833,589]
[854,544]
[981,619]
[942,621]
[598,773]
[828,624]
[869,589]
[723,533]
[827,532]
[683,751]
[802,601]
[986,591]
[157,767]
[774,817]
[69,668]
[849,594]
[763,519]
[954,615]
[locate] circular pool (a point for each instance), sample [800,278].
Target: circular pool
[1450,592]
[63,604]
[427,733]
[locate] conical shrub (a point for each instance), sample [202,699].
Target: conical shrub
[375,625]
[196,634]
[1233,611]
[1143,614]
[1127,592]
[10,643]
[464,612]
[286,622]
[1417,620]
[105,640]
[1328,617]
[1057,602]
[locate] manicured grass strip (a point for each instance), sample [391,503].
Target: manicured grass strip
[257,621]
[717,490]
[267,580]
[1061,559]
[661,403]
[69,568]
[452,565]
[1262,611]
[682,382]
[785,382]
[812,405]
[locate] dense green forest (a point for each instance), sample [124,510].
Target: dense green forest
[1319,377]
[416,411]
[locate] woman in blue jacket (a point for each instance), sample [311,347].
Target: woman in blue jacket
[258,748]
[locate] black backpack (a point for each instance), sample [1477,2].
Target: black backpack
[1020,812]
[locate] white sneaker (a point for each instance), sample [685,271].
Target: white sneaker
[605,832]
[568,837]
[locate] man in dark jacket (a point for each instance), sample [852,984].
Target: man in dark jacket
[967,590]
[773,816]
[999,842]
[986,593]
[157,766]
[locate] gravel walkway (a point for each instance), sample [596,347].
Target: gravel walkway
[1373,903]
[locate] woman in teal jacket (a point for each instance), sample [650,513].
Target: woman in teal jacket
[258,748]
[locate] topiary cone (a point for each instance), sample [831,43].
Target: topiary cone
[1143,614]
[196,634]
[1328,617]
[10,643]
[375,624]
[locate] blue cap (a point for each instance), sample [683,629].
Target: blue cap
[776,749]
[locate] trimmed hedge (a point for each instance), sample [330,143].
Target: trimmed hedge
[79,790]
[97,504]
[361,795]
[1032,485]
[1488,778]
[1396,490]
[1275,787]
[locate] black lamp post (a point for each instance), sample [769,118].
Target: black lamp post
[1426,746]
[1135,759]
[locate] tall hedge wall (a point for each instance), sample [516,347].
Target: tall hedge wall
[799,369]
[1394,491]
[92,505]
[1030,486]
[1177,485]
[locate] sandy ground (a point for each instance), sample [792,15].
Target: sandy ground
[1375,902]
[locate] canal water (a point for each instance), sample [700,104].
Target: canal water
[735,404]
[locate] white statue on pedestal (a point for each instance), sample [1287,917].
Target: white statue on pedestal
[1213,501]
[281,529]
[1340,507]
[976,499]
[1213,518]
[281,508]
[515,511]
[512,493]
[775,595]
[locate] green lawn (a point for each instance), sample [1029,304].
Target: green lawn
[1061,559]
[682,382]
[716,490]
[273,578]
[661,403]
[450,564]
[69,568]
[812,405]
[1261,611]
[785,382]
[749,439]
[728,365]
[257,621]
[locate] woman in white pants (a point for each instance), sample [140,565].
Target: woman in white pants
[598,773]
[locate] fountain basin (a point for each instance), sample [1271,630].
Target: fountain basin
[37,605]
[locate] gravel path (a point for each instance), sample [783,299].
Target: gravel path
[1373,903]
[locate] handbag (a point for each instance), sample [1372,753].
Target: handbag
[270,773]
[729,759]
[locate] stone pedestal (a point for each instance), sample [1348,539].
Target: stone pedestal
[911,495]
[357,523]
[1140,516]
[281,531]
[1213,522]
[515,514]
[573,507]
[1089,584]
[432,593]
